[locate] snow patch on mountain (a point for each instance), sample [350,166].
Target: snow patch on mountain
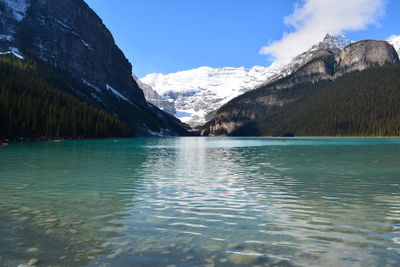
[198,92]
[13,51]
[395,41]
[88,46]
[17,7]
[91,85]
[5,37]
[117,94]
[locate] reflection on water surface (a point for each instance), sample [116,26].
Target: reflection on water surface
[201,201]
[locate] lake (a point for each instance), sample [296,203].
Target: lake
[201,202]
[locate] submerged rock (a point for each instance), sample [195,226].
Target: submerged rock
[245,257]
[233,245]
[33,261]
[104,244]
[33,250]
[209,261]
[213,248]
[96,251]
[189,258]
[51,220]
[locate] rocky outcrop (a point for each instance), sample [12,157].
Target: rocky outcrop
[254,104]
[330,45]
[362,55]
[69,35]
[154,98]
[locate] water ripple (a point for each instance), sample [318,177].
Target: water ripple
[197,201]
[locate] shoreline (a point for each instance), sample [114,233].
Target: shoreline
[44,140]
[5,141]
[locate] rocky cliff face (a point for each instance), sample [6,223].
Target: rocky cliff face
[11,13]
[252,105]
[70,36]
[362,55]
[154,98]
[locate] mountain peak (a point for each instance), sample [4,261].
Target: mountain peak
[339,41]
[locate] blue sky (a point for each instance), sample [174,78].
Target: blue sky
[172,35]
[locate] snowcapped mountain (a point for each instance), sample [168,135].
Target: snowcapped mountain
[395,41]
[198,92]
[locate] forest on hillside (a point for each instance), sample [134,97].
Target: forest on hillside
[365,103]
[31,107]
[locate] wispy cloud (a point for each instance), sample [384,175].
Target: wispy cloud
[312,19]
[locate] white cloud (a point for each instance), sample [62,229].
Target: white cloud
[312,19]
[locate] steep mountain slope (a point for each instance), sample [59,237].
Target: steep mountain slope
[154,98]
[244,114]
[365,103]
[198,92]
[34,108]
[11,13]
[69,36]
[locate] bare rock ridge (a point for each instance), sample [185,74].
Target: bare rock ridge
[330,45]
[69,35]
[252,105]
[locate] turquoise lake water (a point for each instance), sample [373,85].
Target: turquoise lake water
[201,202]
